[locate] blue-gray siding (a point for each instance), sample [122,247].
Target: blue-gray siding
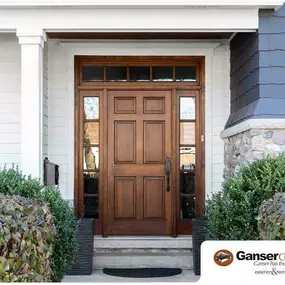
[258,70]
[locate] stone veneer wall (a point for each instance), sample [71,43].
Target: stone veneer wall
[243,148]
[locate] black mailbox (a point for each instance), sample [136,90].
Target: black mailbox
[51,173]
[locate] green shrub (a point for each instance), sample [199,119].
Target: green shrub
[13,182]
[232,212]
[271,218]
[27,233]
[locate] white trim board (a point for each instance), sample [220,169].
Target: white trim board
[135,19]
[273,4]
[253,124]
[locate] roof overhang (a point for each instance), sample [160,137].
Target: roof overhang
[262,4]
[157,16]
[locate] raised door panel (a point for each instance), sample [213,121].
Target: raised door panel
[154,105]
[125,193]
[154,142]
[125,105]
[153,197]
[125,141]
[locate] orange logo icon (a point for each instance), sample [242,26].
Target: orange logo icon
[223,257]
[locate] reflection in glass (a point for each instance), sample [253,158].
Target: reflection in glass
[91,207]
[139,73]
[116,73]
[162,73]
[91,108]
[92,73]
[91,133]
[187,133]
[187,158]
[187,208]
[91,182]
[91,157]
[187,183]
[185,73]
[187,108]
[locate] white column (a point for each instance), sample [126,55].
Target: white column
[32,44]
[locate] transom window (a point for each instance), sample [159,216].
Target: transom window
[139,73]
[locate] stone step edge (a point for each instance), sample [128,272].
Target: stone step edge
[142,250]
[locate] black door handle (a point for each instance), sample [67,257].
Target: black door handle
[167,173]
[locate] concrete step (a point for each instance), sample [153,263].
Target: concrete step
[134,252]
[142,242]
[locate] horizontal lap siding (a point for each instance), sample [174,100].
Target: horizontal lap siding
[58,113]
[45,101]
[220,111]
[10,101]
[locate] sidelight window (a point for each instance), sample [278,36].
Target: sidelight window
[91,144]
[187,157]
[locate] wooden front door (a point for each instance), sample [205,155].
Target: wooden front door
[131,114]
[139,141]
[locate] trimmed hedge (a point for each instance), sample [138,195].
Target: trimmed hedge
[271,218]
[27,233]
[13,182]
[232,213]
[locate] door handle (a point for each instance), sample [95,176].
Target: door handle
[167,173]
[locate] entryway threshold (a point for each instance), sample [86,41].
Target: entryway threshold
[99,276]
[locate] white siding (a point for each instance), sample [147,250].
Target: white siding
[61,102]
[45,102]
[10,100]
[57,133]
[220,110]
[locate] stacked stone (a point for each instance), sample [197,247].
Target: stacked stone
[243,148]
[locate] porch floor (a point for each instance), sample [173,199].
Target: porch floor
[99,276]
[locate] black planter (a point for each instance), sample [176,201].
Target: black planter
[84,260]
[199,230]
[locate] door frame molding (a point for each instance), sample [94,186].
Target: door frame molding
[174,86]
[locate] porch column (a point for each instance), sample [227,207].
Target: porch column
[32,45]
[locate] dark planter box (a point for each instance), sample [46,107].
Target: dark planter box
[199,230]
[84,260]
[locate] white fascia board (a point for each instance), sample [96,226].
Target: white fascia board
[131,19]
[269,4]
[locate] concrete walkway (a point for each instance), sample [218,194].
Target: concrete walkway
[99,276]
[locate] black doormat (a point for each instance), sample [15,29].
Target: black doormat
[142,272]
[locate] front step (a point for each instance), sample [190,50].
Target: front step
[134,252]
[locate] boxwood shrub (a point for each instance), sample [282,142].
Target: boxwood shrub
[271,218]
[27,233]
[13,182]
[232,212]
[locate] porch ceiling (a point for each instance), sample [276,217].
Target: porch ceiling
[141,36]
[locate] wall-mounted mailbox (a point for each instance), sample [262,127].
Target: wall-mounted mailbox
[51,173]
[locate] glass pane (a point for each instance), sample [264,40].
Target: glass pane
[187,108]
[91,108]
[187,183]
[187,133]
[162,73]
[187,208]
[93,73]
[185,73]
[187,157]
[91,133]
[139,73]
[91,157]
[116,73]
[91,208]
[91,182]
